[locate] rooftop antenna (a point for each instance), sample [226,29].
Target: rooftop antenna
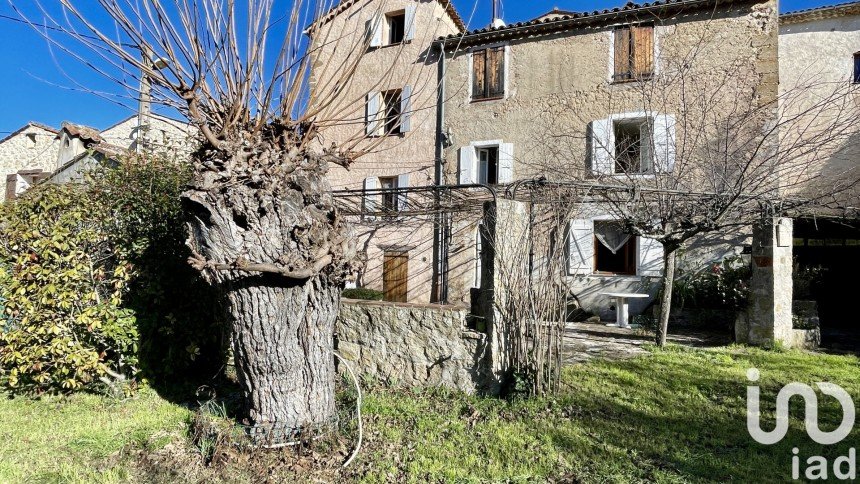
[497,22]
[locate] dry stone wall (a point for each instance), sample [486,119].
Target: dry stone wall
[412,345]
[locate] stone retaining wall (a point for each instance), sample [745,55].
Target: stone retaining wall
[412,345]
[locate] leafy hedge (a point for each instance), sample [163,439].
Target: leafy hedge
[95,286]
[363,293]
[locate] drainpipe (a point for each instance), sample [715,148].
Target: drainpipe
[440,279]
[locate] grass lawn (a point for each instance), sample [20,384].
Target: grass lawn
[672,416]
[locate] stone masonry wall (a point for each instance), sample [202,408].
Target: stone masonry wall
[411,345]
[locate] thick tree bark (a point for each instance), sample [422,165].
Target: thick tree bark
[282,337]
[666,297]
[263,228]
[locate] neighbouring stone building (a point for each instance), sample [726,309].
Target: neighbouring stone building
[37,153]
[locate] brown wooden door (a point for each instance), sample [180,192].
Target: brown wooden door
[395,275]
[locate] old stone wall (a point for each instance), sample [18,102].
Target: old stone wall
[412,345]
[33,147]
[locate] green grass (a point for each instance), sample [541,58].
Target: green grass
[79,438]
[673,416]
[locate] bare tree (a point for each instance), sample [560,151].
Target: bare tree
[262,222]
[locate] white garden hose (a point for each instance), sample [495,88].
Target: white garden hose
[357,409]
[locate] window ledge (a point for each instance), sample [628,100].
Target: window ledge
[615,277]
[486,99]
[381,47]
[632,80]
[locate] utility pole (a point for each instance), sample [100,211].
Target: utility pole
[144,108]
[495,11]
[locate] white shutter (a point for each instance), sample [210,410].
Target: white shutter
[646,154]
[402,182]
[506,163]
[371,200]
[468,167]
[479,244]
[374,30]
[602,147]
[664,143]
[410,23]
[650,258]
[406,109]
[580,247]
[371,113]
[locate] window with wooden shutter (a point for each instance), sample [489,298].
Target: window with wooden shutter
[488,73]
[634,53]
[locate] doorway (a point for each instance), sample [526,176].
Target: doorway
[395,275]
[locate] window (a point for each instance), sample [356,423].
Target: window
[488,73]
[634,53]
[632,145]
[856,77]
[488,165]
[391,101]
[389,198]
[615,251]
[31,140]
[396,23]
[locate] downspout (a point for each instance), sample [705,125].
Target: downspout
[440,283]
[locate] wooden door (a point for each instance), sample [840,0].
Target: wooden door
[395,275]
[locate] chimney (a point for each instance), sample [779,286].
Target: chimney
[497,21]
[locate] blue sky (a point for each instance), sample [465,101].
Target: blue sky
[34,80]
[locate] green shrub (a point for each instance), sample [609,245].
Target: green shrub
[363,293]
[94,284]
[62,282]
[723,285]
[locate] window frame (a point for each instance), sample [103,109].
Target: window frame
[631,253]
[855,78]
[388,202]
[385,118]
[389,17]
[505,73]
[479,151]
[639,122]
[630,75]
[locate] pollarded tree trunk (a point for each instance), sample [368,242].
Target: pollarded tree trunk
[282,337]
[264,229]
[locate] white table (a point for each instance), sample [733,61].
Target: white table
[621,305]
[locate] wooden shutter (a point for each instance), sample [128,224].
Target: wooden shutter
[664,143]
[374,30]
[371,113]
[506,163]
[643,51]
[650,258]
[11,186]
[395,275]
[406,109]
[580,247]
[409,34]
[602,147]
[496,72]
[622,54]
[371,200]
[468,165]
[479,81]
[402,200]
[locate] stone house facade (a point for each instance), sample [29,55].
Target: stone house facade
[36,152]
[570,87]
[386,110]
[531,99]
